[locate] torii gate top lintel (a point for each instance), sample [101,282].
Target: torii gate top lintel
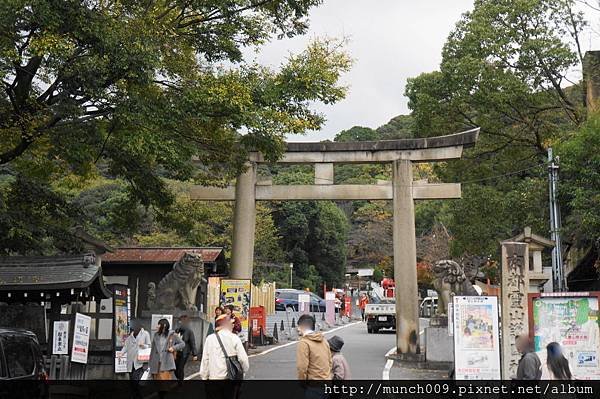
[416,150]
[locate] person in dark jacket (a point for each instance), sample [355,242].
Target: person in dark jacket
[529,365]
[187,336]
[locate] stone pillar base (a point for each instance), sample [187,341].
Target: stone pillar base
[439,347]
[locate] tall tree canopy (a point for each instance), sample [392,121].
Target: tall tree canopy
[505,68]
[143,90]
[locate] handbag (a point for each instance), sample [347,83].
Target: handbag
[234,368]
[170,345]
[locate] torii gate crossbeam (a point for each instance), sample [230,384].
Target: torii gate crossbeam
[402,191]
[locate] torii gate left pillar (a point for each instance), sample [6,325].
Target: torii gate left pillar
[402,191]
[244,224]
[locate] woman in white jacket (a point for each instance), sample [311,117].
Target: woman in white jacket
[214,366]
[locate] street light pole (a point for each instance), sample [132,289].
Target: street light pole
[291,270]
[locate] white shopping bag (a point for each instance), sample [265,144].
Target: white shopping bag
[146,376]
[144,355]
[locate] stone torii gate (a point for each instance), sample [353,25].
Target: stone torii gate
[402,191]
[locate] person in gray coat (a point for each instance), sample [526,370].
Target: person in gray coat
[165,344]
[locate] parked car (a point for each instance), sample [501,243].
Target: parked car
[20,355]
[288,299]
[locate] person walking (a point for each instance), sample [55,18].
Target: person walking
[189,339]
[214,364]
[557,365]
[363,301]
[313,357]
[529,367]
[340,369]
[165,344]
[138,339]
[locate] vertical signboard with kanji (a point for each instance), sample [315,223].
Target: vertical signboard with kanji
[476,338]
[81,338]
[237,293]
[121,324]
[60,338]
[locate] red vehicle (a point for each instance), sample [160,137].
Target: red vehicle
[389,287]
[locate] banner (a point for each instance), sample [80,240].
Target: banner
[237,293]
[81,338]
[121,316]
[60,338]
[330,307]
[571,319]
[476,343]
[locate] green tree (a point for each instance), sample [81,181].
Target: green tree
[147,90]
[580,183]
[504,69]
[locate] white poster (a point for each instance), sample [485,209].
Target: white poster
[155,320]
[304,303]
[476,342]
[81,338]
[60,338]
[120,362]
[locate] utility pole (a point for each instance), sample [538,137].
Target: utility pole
[291,273]
[558,277]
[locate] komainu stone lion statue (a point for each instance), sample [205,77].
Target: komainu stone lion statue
[177,290]
[450,279]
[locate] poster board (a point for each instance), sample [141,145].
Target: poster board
[571,319]
[476,338]
[81,338]
[304,303]
[237,293]
[60,338]
[121,322]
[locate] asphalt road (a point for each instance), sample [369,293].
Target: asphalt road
[365,354]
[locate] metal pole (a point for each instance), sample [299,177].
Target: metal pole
[558,278]
[291,270]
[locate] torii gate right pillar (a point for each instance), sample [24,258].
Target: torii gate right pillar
[405,260]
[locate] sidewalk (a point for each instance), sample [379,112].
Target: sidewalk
[402,372]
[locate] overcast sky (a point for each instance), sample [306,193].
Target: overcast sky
[390,41]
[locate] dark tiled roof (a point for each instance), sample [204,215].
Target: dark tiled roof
[38,273]
[158,254]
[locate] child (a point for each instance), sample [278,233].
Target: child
[340,368]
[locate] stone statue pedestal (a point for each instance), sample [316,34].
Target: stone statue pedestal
[439,346]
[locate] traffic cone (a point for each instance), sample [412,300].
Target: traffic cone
[323,316]
[275,333]
[282,326]
[293,322]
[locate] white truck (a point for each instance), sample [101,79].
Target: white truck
[380,315]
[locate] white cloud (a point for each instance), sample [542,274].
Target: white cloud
[389,40]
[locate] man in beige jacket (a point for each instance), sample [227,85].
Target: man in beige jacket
[313,357]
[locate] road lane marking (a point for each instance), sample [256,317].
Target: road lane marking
[295,342]
[191,376]
[388,365]
[390,362]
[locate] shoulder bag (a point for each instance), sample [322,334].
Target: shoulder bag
[234,368]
